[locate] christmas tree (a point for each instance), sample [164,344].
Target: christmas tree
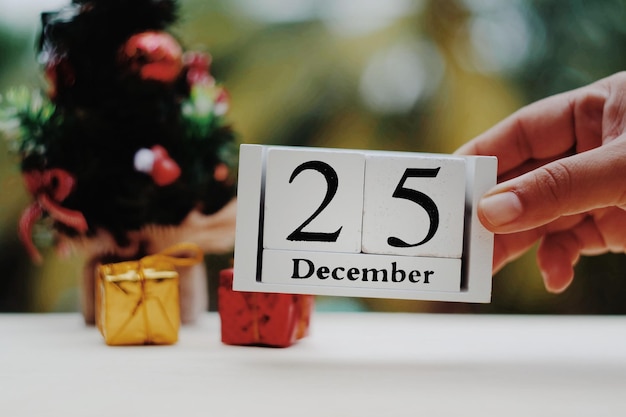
[130,131]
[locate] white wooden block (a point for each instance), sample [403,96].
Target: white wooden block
[313,200]
[414,205]
[373,272]
[259,269]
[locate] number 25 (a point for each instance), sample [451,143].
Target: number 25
[332,183]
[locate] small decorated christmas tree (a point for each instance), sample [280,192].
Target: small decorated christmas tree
[128,150]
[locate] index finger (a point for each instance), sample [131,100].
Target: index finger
[567,122]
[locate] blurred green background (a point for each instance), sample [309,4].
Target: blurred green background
[409,75]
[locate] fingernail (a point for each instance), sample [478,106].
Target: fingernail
[500,209]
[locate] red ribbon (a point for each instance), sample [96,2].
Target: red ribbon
[49,188]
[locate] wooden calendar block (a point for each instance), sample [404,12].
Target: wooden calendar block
[373,272]
[313,200]
[414,205]
[362,224]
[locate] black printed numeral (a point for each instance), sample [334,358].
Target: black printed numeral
[332,182]
[420,199]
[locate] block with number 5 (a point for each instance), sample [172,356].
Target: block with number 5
[414,205]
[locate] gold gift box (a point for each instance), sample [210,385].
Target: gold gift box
[138,302]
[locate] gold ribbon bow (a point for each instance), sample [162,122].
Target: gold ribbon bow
[189,254]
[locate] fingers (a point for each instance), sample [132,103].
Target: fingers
[508,247]
[611,223]
[562,156]
[564,123]
[601,232]
[559,252]
[530,166]
[571,185]
[563,241]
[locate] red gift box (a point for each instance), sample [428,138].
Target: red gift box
[261,319]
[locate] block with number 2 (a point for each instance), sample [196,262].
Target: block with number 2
[362,223]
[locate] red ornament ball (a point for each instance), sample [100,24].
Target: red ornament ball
[164,170]
[152,55]
[157,163]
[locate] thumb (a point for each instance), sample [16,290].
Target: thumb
[571,185]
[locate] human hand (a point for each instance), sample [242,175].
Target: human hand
[561,179]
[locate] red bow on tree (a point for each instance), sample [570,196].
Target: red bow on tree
[49,188]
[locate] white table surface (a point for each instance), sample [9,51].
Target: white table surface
[352,364]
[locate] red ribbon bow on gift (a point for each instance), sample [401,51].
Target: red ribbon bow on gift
[49,188]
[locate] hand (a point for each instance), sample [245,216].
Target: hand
[562,179]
